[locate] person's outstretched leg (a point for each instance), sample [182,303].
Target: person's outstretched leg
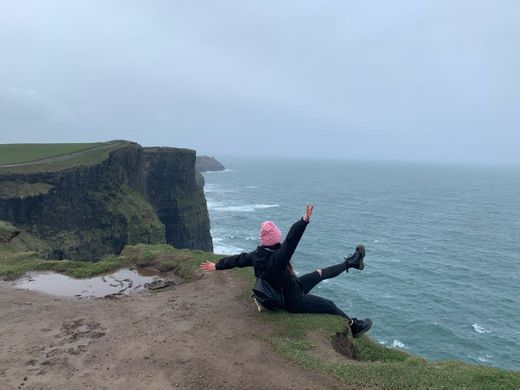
[314,304]
[308,281]
[355,260]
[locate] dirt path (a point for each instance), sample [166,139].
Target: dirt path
[197,336]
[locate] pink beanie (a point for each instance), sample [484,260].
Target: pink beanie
[269,234]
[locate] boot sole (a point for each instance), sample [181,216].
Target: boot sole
[364,330]
[361,250]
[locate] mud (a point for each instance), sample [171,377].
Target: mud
[124,281]
[199,335]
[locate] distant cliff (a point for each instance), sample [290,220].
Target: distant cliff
[96,206]
[205,163]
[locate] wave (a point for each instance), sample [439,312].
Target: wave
[208,189]
[213,172]
[212,204]
[398,344]
[248,208]
[485,358]
[226,249]
[480,329]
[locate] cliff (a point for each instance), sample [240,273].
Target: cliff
[94,203]
[205,163]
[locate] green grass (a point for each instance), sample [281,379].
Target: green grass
[6,231]
[377,367]
[14,261]
[91,154]
[22,153]
[13,189]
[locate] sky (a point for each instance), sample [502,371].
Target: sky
[434,81]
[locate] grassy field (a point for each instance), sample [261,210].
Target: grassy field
[377,367]
[91,153]
[22,153]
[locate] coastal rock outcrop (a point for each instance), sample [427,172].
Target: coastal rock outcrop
[205,164]
[130,195]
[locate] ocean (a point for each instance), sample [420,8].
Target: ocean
[442,267]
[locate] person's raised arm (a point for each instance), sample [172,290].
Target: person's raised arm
[308,213]
[228,262]
[284,254]
[208,266]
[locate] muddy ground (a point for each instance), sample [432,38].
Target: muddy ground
[199,335]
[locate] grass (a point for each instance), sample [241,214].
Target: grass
[14,262]
[143,223]
[22,153]
[91,154]
[12,189]
[6,231]
[377,366]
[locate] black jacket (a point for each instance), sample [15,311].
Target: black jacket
[272,263]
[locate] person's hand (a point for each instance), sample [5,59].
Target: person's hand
[208,266]
[308,212]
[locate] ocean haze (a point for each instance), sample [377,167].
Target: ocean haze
[422,81]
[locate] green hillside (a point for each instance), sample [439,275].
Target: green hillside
[53,157]
[22,153]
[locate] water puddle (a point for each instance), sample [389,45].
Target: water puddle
[123,281]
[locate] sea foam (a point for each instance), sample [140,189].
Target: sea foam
[398,344]
[227,250]
[248,208]
[480,329]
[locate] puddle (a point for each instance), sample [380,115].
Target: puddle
[123,281]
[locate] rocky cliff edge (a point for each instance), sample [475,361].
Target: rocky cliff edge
[85,208]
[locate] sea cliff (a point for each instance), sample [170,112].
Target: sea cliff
[86,208]
[206,163]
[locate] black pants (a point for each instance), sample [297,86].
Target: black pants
[309,303]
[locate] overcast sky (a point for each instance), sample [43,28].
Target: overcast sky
[394,80]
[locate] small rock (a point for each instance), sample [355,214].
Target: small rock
[158,284]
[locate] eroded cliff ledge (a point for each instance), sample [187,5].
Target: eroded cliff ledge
[206,163]
[96,206]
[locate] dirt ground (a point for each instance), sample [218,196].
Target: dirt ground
[198,335]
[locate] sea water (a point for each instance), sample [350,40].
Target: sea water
[442,266]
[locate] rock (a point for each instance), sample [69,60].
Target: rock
[158,284]
[206,163]
[342,342]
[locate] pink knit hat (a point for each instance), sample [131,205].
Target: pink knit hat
[269,234]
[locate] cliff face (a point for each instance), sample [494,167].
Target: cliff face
[176,192]
[205,163]
[135,195]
